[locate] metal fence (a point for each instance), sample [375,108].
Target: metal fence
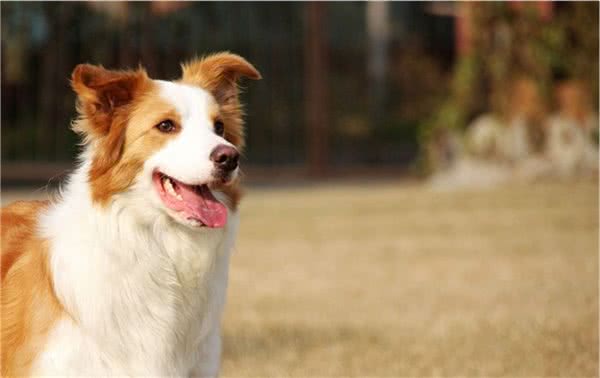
[42,42]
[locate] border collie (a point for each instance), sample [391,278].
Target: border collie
[126,274]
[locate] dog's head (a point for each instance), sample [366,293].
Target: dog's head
[171,146]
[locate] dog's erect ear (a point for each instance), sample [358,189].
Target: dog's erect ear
[101,92]
[219,73]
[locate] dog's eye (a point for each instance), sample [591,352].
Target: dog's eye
[166,126]
[219,128]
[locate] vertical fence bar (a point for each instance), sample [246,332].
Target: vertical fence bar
[316,88]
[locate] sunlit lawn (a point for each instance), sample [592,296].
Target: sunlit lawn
[389,279]
[393,279]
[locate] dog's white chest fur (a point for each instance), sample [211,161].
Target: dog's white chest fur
[142,300]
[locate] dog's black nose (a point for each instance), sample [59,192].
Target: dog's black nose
[225,157]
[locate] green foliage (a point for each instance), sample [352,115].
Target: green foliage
[511,41]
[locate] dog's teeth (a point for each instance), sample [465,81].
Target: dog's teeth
[169,188]
[179,197]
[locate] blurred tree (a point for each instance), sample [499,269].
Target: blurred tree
[508,41]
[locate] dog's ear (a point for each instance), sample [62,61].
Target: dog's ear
[101,93]
[219,74]
[102,98]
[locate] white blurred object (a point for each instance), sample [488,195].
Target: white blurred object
[514,142]
[570,145]
[483,136]
[470,173]
[490,138]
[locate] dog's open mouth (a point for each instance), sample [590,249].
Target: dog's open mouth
[193,202]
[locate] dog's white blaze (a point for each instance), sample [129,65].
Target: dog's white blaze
[187,156]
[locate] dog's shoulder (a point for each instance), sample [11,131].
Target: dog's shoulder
[29,305]
[18,225]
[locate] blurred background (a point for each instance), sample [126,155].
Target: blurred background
[436,162]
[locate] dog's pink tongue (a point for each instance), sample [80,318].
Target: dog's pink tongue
[200,204]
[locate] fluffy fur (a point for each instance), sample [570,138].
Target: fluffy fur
[108,280]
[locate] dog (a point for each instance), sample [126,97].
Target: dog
[126,273]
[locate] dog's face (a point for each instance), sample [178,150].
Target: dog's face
[169,147]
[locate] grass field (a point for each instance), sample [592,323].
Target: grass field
[394,280]
[390,279]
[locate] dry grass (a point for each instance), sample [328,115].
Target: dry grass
[390,280]
[395,280]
